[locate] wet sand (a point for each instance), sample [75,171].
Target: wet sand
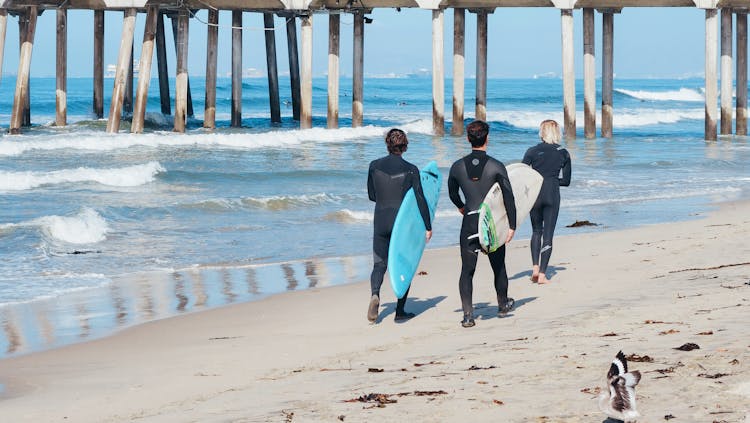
[312,356]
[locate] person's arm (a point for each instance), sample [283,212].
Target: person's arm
[527,157]
[424,210]
[370,185]
[566,169]
[453,192]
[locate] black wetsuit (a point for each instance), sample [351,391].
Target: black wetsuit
[553,163]
[388,180]
[475,174]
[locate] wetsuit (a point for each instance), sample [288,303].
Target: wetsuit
[388,180]
[553,163]
[475,174]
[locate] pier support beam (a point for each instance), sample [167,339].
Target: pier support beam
[608,70]
[144,72]
[3,31]
[236,68]
[161,64]
[334,32]
[212,47]
[273,73]
[358,71]
[118,91]
[726,71]
[24,67]
[712,29]
[438,73]
[459,30]
[181,88]
[23,25]
[589,75]
[481,71]
[305,118]
[127,99]
[741,75]
[569,87]
[61,75]
[99,64]
[291,42]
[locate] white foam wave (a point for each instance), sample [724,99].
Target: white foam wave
[87,227]
[656,196]
[624,118]
[683,94]
[129,176]
[351,216]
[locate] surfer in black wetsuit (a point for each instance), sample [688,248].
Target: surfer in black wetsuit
[388,180]
[474,175]
[552,161]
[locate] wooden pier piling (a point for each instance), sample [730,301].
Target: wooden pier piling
[61,74]
[358,71]
[568,62]
[212,47]
[118,91]
[273,73]
[334,33]
[127,98]
[181,88]
[236,69]
[741,73]
[161,64]
[23,25]
[459,30]
[726,71]
[3,31]
[24,67]
[589,75]
[305,118]
[144,72]
[608,32]
[292,53]
[438,73]
[98,99]
[712,30]
[481,71]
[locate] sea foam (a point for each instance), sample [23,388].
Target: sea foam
[683,94]
[86,227]
[129,176]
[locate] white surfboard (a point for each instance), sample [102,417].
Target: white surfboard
[493,220]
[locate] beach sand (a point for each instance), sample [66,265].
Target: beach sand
[312,355]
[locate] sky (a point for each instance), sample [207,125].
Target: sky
[522,43]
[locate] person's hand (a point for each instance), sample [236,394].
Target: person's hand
[427,235]
[461,210]
[511,232]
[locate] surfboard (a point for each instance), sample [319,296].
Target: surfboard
[493,220]
[407,238]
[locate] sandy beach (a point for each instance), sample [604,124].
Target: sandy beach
[312,355]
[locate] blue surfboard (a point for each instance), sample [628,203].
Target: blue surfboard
[407,238]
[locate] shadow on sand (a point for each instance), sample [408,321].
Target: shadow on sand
[526,274]
[413,305]
[486,311]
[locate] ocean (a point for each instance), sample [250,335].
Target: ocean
[100,232]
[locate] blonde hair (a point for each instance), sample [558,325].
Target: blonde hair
[549,132]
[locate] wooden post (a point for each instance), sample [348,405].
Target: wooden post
[23,25]
[607,73]
[24,67]
[741,73]
[459,30]
[99,63]
[127,99]
[273,73]
[334,31]
[305,118]
[712,29]
[726,71]
[61,102]
[438,73]
[236,68]
[181,81]
[144,73]
[212,46]
[291,41]
[3,30]
[481,71]
[358,71]
[161,64]
[175,36]
[118,91]
[569,83]
[589,75]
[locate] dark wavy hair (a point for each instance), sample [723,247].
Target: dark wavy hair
[477,132]
[396,141]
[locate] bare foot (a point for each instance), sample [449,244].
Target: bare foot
[535,277]
[543,279]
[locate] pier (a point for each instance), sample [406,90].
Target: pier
[721,68]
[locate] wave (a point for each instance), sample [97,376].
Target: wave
[683,94]
[623,118]
[128,176]
[275,202]
[95,142]
[357,216]
[86,227]
[664,195]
